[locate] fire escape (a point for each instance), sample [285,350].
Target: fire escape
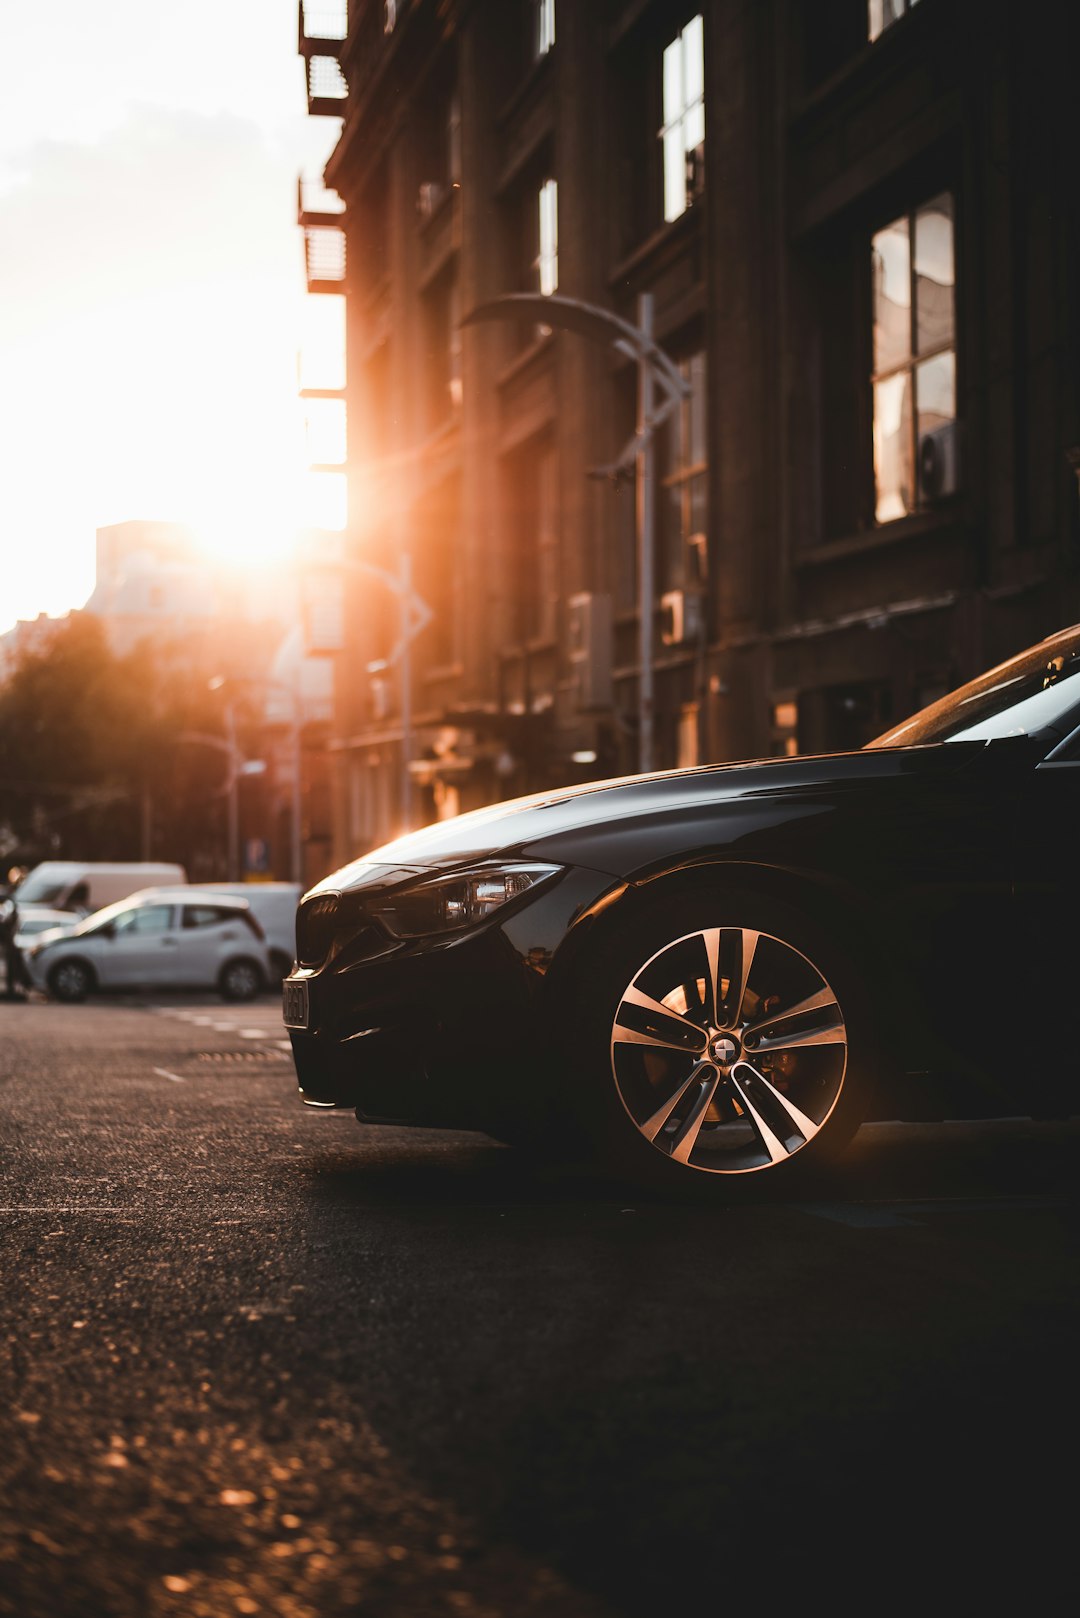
[323,27]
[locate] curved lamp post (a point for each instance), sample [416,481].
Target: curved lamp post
[415,615]
[657,371]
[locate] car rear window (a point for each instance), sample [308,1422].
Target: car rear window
[210,915]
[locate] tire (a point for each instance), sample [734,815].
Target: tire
[731,1092]
[70,981]
[240,979]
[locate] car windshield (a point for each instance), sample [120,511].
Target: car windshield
[1037,691]
[101,917]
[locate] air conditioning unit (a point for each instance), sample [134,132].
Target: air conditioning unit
[429,197]
[939,462]
[682,617]
[590,647]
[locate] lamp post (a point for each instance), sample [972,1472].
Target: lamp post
[414,615]
[237,768]
[656,371]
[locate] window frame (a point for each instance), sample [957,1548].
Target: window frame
[542,22]
[915,356]
[684,118]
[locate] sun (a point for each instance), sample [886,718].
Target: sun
[247,528]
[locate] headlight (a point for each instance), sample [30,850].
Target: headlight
[445,903]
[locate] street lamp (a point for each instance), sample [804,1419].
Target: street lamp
[326,636]
[656,370]
[240,767]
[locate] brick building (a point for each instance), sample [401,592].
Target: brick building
[857,226]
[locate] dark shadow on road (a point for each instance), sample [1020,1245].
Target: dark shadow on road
[673,1404]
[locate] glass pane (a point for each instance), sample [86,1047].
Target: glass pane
[935,274]
[891,274]
[935,392]
[548,258]
[699,522]
[671,545]
[694,126]
[673,88]
[674,174]
[695,371]
[893,461]
[694,61]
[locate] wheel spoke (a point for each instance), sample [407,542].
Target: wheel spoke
[686,1139]
[711,939]
[832,1034]
[747,945]
[814,1002]
[632,1036]
[787,1109]
[652,1126]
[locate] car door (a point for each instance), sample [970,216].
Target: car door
[1048,893]
[208,935]
[141,948]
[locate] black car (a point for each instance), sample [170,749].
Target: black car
[710,977]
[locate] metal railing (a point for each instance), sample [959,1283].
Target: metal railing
[324,253]
[323,21]
[326,81]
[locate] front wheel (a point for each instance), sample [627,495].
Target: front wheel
[240,980]
[70,981]
[732,1039]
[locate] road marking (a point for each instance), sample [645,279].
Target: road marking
[253,1033]
[165,1074]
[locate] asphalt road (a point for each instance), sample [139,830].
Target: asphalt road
[259,1360]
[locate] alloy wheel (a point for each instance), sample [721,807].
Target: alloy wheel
[729,1050]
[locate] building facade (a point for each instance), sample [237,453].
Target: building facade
[853,225]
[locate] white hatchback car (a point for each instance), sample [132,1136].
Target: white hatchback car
[159,938]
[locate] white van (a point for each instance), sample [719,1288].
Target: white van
[81,886]
[274,905]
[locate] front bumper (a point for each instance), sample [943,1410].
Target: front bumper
[450,1031]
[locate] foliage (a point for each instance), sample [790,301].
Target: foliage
[94,757]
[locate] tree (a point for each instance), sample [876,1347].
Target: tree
[92,764]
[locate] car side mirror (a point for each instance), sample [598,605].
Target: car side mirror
[108,929]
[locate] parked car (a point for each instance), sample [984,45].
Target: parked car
[710,977]
[161,938]
[275,905]
[80,887]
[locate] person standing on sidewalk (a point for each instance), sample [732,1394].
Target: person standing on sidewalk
[17,979]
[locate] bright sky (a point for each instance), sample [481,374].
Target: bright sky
[152,303]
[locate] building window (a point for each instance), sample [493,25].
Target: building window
[532,511]
[682,478]
[541,609]
[914,362]
[543,27]
[546,263]
[682,135]
[881,14]
[442,338]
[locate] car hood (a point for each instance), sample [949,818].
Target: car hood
[582,824]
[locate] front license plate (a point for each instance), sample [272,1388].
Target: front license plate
[294,1005]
